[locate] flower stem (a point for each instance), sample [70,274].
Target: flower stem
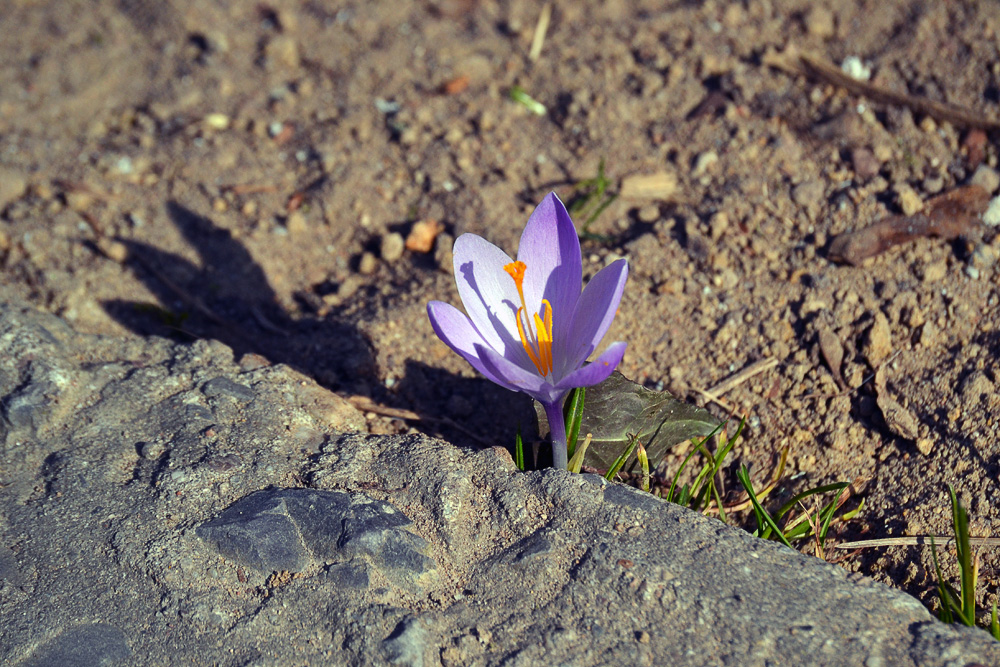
[557,427]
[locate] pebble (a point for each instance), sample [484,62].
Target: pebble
[809,194]
[113,250]
[217,121]
[864,163]
[282,50]
[443,253]
[820,22]
[908,199]
[992,215]
[659,185]
[935,271]
[703,163]
[392,246]
[878,344]
[421,238]
[856,69]
[933,184]
[649,214]
[13,185]
[718,224]
[367,264]
[925,446]
[296,223]
[983,256]
[986,177]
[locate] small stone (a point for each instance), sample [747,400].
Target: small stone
[283,51]
[718,224]
[422,236]
[983,256]
[116,251]
[935,271]
[992,215]
[928,335]
[976,388]
[296,223]
[820,22]
[649,214]
[659,185]
[78,200]
[933,184]
[13,185]
[855,68]
[443,254]
[864,163]
[367,264]
[217,121]
[809,194]
[392,246]
[925,446]
[703,163]
[878,344]
[908,199]
[223,386]
[972,272]
[986,177]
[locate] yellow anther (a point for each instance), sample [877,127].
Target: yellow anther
[536,331]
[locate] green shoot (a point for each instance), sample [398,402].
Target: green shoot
[573,415]
[519,450]
[633,440]
[960,606]
[766,525]
[644,462]
[590,200]
[700,494]
[519,95]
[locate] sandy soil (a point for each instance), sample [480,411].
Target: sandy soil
[249,172]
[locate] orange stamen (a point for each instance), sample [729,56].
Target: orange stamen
[536,331]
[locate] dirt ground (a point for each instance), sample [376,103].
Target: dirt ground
[250,172]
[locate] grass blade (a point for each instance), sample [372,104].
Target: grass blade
[519,450]
[576,463]
[622,458]
[960,518]
[573,416]
[763,518]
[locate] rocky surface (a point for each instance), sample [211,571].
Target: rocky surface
[166,503]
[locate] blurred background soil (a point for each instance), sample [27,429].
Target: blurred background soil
[288,177]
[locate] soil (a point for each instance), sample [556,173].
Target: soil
[248,172]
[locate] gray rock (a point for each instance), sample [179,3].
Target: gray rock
[97,645]
[292,529]
[406,550]
[223,386]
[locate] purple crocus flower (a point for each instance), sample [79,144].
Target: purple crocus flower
[528,327]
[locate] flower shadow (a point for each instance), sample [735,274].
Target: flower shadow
[226,296]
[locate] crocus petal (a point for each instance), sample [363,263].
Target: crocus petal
[489,294]
[594,313]
[596,371]
[458,332]
[529,382]
[550,249]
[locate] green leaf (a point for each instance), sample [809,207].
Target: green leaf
[766,525]
[519,450]
[573,415]
[617,407]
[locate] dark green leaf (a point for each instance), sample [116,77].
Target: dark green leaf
[618,406]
